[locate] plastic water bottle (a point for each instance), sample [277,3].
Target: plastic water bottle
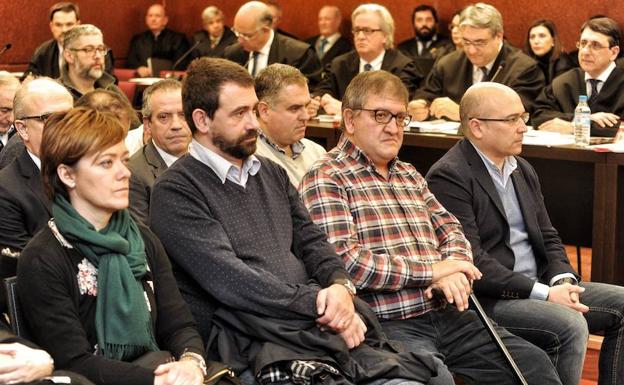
[582,123]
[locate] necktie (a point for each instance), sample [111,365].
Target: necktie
[593,85]
[324,42]
[1,145]
[254,63]
[484,71]
[368,67]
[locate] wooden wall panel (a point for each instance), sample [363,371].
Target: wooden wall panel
[121,19]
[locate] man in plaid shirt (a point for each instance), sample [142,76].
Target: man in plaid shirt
[401,246]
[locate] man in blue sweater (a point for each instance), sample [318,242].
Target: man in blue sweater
[267,290]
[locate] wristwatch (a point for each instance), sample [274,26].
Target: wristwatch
[348,285]
[563,280]
[197,359]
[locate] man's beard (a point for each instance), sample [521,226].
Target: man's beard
[425,34]
[89,72]
[237,148]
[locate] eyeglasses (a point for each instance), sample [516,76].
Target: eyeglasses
[5,110]
[476,43]
[592,45]
[524,117]
[246,36]
[42,118]
[167,117]
[366,31]
[384,116]
[91,50]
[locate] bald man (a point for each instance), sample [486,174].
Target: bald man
[528,285]
[157,42]
[259,45]
[24,207]
[329,43]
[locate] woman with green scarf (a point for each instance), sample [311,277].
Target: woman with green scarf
[96,288]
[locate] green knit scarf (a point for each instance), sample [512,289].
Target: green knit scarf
[122,320]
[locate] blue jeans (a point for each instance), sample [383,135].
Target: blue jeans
[461,345]
[562,332]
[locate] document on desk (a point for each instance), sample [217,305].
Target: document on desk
[547,138]
[435,126]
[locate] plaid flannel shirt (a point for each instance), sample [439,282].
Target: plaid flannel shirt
[389,232]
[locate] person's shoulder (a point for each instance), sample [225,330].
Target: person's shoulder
[454,161]
[345,58]
[45,47]
[516,56]
[43,247]
[312,39]
[451,60]
[397,57]
[312,145]
[571,76]
[406,44]
[291,43]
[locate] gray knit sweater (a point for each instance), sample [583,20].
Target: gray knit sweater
[251,248]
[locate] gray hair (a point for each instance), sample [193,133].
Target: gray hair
[163,85]
[265,18]
[8,81]
[210,13]
[273,78]
[482,15]
[387,22]
[73,34]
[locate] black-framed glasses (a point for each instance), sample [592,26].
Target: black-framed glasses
[515,119]
[384,116]
[366,31]
[42,118]
[91,50]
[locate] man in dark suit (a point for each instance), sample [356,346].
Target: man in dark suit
[528,285]
[485,57]
[163,119]
[373,33]
[157,42]
[215,37]
[426,43]
[258,45]
[599,78]
[329,43]
[24,207]
[46,61]
[8,87]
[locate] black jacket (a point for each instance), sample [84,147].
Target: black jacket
[170,45]
[338,74]
[341,46]
[559,99]
[204,49]
[463,185]
[451,76]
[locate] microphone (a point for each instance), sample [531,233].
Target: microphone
[188,52]
[5,48]
[500,67]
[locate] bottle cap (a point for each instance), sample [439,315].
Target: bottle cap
[582,98]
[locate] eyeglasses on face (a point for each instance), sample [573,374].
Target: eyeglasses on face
[384,116]
[515,119]
[246,36]
[167,117]
[42,118]
[366,31]
[91,50]
[591,44]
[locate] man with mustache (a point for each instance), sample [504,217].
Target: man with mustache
[598,77]
[283,97]
[259,276]
[83,61]
[427,43]
[163,120]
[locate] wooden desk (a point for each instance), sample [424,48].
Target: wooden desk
[580,187]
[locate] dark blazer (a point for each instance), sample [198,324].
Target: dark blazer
[146,165]
[451,76]
[203,49]
[284,50]
[170,45]
[338,74]
[463,185]
[24,209]
[554,68]
[11,150]
[341,46]
[45,61]
[409,48]
[559,99]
